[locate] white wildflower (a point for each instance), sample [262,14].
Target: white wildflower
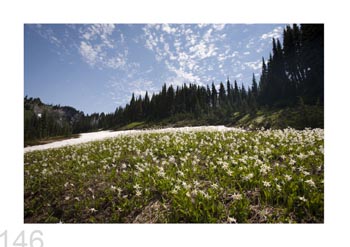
[138,193]
[93,210]
[231,220]
[194,192]
[278,187]
[266,184]
[206,196]
[180,173]
[171,159]
[196,183]
[236,196]
[288,177]
[215,186]
[292,162]
[119,191]
[301,198]
[306,173]
[161,173]
[137,187]
[310,182]
[248,177]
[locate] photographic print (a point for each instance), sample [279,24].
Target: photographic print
[174,123]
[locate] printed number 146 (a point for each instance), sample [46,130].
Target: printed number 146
[34,240]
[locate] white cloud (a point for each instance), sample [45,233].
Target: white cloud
[254,65]
[181,76]
[202,50]
[48,34]
[207,35]
[151,42]
[191,40]
[161,38]
[250,43]
[89,53]
[222,36]
[166,28]
[120,89]
[246,53]
[275,33]
[240,75]
[99,31]
[218,27]
[202,25]
[140,86]
[116,62]
[95,55]
[188,52]
[222,57]
[99,49]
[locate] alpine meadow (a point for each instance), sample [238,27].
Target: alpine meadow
[178,145]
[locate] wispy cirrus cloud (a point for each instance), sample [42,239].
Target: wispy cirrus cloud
[99,48]
[184,48]
[99,31]
[255,65]
[89,53]
[48,34]
[219,27]
[275,33]
[56,39]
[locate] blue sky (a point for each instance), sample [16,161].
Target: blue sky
[96,68]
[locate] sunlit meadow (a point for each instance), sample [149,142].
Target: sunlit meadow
[264,176]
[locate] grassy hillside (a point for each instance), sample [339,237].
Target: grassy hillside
[297,117]
[208,177]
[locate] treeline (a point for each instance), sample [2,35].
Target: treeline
[292,75]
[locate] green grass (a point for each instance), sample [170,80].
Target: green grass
[133,125]
[297,117]
[49,140]
[213,177]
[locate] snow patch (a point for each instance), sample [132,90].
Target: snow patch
[100,135]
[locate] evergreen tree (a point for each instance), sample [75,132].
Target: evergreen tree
[170,102]
[312,57]
[229,93]
[222,95]
[237,96]
[214,95]
[254,87]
